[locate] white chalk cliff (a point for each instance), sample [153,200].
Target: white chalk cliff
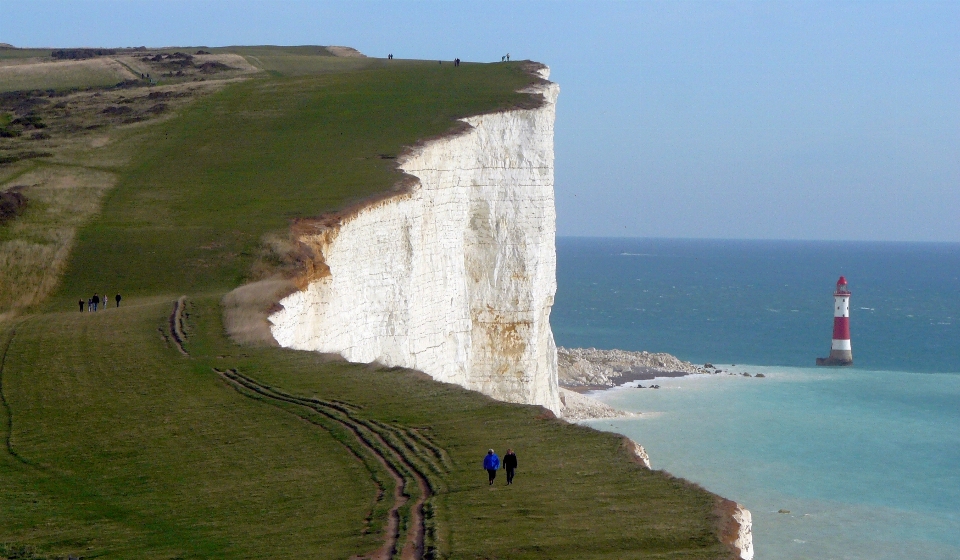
[454,277]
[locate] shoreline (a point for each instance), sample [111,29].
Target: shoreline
[581,371]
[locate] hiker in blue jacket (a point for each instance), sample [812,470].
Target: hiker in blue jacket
[491,462]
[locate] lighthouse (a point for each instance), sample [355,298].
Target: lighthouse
[840,352]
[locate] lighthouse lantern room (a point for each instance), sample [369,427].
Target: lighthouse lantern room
[840,350]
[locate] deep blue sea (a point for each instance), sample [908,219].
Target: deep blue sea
[866,459]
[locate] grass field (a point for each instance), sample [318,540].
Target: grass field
[62,74]
[143,432]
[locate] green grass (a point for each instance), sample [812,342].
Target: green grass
[119,446]
[61,75]
[155,457]
[125,446]
[13,54]
[190,215]
[297,61]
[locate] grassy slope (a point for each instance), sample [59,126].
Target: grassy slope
[138,452]
[62,75]
[121,447]
[134,450]
[190,215]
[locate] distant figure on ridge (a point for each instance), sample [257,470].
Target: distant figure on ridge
[118,300]
[456,62]
[81,306]
[96,301]
[390,57]
[491,463]
[508,57]
[510,464]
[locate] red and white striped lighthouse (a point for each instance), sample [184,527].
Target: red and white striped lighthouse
[840,351]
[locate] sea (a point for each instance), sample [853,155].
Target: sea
[860,462]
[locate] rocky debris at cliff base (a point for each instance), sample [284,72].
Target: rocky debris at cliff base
[582,368]
[575,407]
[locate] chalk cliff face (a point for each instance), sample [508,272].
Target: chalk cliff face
[456,276]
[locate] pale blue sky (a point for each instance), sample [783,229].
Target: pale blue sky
[786,120]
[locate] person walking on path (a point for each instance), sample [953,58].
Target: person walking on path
[491,463]
[96,300]
[81,306]
[118,300]
[510,464]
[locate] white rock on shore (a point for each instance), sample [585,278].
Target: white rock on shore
[582,367]
[575,407]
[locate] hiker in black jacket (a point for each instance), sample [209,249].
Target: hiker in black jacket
[510,464]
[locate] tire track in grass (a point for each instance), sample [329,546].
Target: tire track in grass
[176,325]
[3,399]
[398,450]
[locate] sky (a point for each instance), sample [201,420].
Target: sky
[740,120]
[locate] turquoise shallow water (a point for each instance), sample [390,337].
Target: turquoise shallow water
[866,459]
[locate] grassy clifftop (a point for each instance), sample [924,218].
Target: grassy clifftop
[144,432]
[190,213]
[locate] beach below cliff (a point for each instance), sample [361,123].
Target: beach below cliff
[592,369]
[582,370]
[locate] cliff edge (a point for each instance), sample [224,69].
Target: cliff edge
[453,276]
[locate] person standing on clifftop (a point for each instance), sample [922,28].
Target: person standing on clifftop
[491,463]
[510,464]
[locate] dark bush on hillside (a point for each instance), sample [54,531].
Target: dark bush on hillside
[29,121]
[114,110]
[12,204]
[22,102]
[80,54]
[213,67]
[5,159]
[127,84]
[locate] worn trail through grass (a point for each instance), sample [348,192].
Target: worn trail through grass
[389,448]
